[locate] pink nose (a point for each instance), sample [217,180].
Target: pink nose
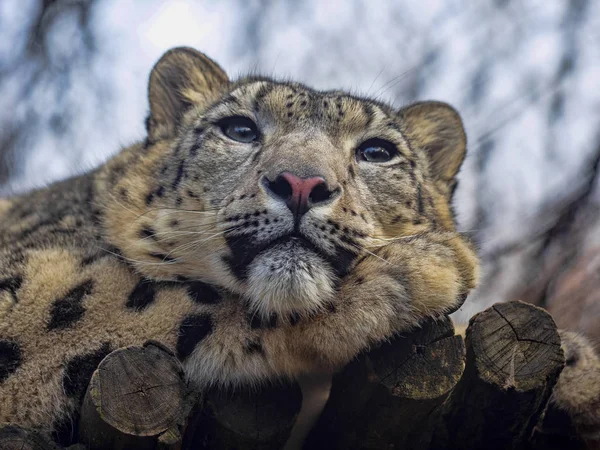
[299,194]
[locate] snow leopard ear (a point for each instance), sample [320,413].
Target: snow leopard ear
[182,78]
[437,129]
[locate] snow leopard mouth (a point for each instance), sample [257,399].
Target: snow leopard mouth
[244,252]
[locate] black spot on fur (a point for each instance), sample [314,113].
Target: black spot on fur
[178,201]
[572,360]
[420,199]
[351,171]
[398,219]
[10,358]
[149,198]
[192,330]
[272,320]
[290,114]
[162,257]
[69,309]
[343,260]
[254,347]
[239,270]
[147,232]
[79,370]
[178,176]
[142,296]
[294,318]
[258,322]
[11,284]
[255,321]
[160,191]
[203,293]
[194,149]
[147,122]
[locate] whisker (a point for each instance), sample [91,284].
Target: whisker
[188,244]
[395,238]
[175,211]
[125,258]
[171,233]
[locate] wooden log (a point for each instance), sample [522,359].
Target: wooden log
[137,398]
[13,437]
[244,418]
[514,359]
[382,399]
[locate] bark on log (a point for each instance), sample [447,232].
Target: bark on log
[137,398]
[258,419]
[382,399]
[13,437]
[514,359]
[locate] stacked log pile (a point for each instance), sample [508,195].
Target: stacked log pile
[427,390]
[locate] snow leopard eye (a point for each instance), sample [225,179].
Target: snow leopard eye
[240,129]
[376,151]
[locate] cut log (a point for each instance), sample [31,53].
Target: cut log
[13,437]
[514,359]
[258,419]
[137,398]
[382,399]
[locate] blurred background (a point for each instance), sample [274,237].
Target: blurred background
[524,75]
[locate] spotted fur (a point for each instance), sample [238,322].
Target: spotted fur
[176,239]
[577,391]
